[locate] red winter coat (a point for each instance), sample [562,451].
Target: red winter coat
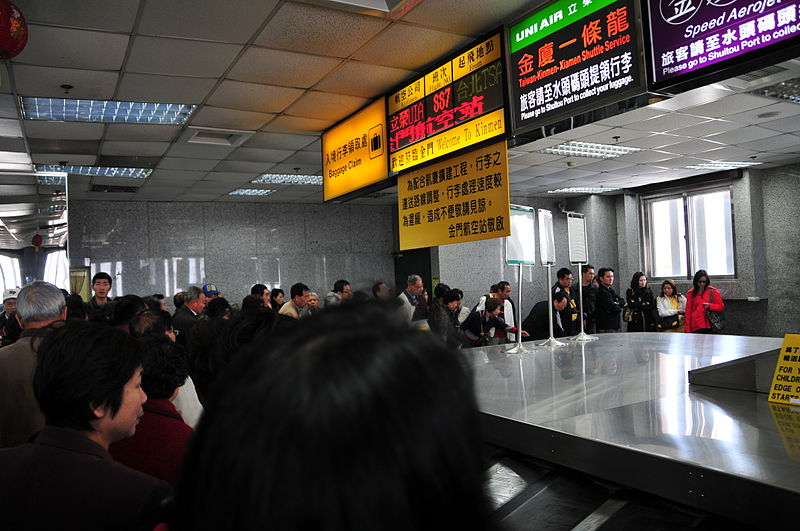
[695,311]
[159,443]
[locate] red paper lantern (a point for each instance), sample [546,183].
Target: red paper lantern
[13,30]
[36,241]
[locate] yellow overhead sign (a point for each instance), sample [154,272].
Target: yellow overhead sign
[354,152]
[462,199]
[786,380]
[467,134]
[477,57]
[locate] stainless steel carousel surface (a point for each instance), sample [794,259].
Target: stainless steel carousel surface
[621,408]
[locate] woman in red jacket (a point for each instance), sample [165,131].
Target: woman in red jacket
[700,298]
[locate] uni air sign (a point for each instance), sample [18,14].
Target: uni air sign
[554,17]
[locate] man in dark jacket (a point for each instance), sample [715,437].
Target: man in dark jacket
[185,318]
[537,324]
[609,304]
[588,298]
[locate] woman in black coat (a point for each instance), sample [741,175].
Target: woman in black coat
[641,301]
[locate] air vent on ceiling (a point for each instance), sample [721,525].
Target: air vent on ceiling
[764,77]
[214,136]
[114,189]
[788,90]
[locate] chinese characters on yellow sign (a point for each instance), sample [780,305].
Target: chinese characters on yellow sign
[455,105]
[786,381]
[354,152]
[460,200]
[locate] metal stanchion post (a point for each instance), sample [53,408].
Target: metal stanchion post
[552,342]
[583,336]
[518,348]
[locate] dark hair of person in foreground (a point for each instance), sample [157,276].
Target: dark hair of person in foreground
[352,421]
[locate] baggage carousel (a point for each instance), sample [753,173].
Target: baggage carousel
[622,409]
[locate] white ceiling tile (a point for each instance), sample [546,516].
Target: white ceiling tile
[142,132]
[774,143]
[15,157]
[583,131]
[12,166]
[466,17]
[616,135]
[152,55]
[306,28]
[538,171]
[536,145]
[692,98]
[72,48]
[117,181]
[296,124]
[305,158]
[534,159]
[10,128]
[659,140]
[766,114]
[205,19]
[722,108]
[694,146]
[744,134]
[636,115]
[421,46]
[280,141]
[230,118]
[326,106]
[302,169]
[90,14]
[8,106]
[164,89]
[709,127]
[790,124]
[259,155]
[681,162]
[139,149]
[200,151]
[365,80]
[784,158]
[278,67]
[667,122]
[253,97]
[174,163]
[46,82]
[57,130]
[162,176]
[244,166]
[237,178]
[70,158]
[608,165]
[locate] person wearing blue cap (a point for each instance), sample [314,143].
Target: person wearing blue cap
[211,291]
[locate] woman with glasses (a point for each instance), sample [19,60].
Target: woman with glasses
[700,298]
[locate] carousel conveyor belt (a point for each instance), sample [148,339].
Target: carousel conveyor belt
[533,495]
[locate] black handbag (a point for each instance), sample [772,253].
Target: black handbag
[669,322]
[717,319]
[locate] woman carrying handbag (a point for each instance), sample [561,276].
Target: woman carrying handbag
[700,300]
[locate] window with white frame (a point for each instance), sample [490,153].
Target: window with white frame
[9,272]
[688,231]
[56,269]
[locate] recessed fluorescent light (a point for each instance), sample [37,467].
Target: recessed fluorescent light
[251,191]
[52,209]
[51,178]
[101,171]
[131,112]
[281,178]
[582,190]
[589,149]
[722,165]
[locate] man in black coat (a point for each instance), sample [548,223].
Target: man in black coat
[537,323]
[185,318]
[88,385]
[608,304]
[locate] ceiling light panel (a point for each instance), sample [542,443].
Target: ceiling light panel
[281,178]
[254,192]
[65,110]
[589,149]
[102,171]
[582,190]
[719,166]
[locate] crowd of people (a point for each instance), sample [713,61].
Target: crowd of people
[333,412]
